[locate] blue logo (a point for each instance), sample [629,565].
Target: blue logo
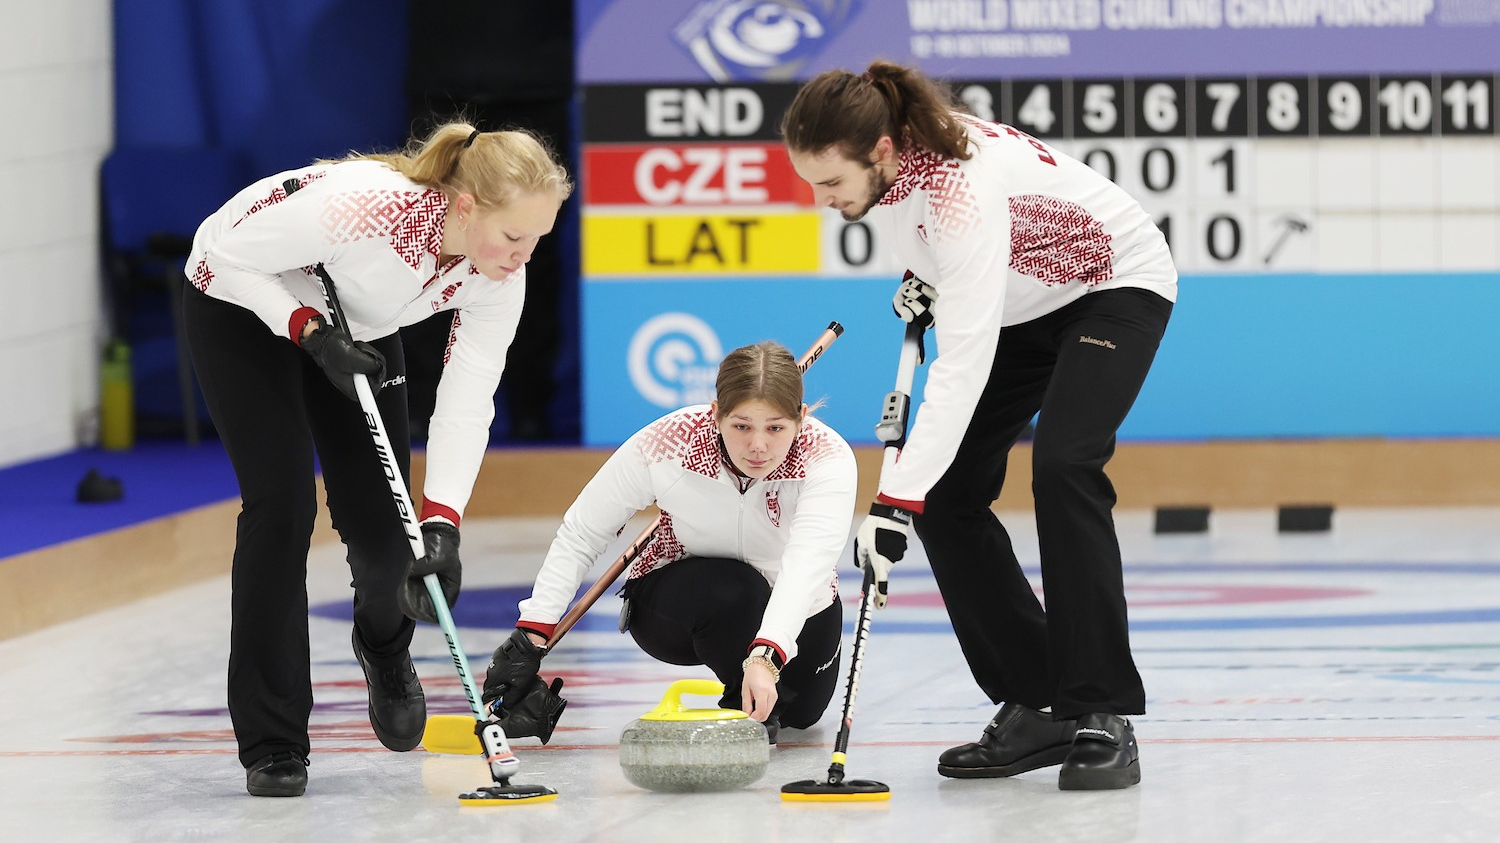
[760,40]
[674,360]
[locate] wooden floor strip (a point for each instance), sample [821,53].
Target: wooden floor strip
[87,575]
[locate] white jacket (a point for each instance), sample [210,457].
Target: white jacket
[1010,235]
[378,235]
[792,526]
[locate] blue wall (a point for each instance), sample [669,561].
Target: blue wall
[1254,356]
[1245,357]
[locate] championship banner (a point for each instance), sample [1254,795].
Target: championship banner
[755,40]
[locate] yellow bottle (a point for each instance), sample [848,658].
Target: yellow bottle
[116,398]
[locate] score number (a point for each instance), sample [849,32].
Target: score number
[1306,106]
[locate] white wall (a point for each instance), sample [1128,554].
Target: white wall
[56,124]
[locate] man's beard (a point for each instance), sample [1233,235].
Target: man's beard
[878,187]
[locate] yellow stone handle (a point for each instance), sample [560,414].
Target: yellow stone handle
[671,701]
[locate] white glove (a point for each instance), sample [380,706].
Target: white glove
[881,543]
[914,299]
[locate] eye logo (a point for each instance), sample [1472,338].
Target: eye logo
[760,39]
[674,359]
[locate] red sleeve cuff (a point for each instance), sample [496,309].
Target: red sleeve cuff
[437,510]
[780,653]
[298,321]
[909,506]
[542,629]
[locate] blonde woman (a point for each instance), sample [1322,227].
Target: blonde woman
[447,224]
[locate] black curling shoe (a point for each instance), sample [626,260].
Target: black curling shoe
[1017,740]
[773,729]
[278,774]
[398,708]
[1104,756]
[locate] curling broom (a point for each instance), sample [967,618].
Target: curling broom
[891,431]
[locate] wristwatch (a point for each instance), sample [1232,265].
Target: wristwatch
[767,652]
[765,655]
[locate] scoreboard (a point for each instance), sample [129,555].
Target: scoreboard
[1240,173]
[1284,173]
[1324,182]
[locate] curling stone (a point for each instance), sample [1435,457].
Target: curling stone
[693,750]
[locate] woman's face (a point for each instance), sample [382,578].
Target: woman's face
[500,241]
[757,436]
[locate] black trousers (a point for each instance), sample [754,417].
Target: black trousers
[1081,367]
[275,411]
[707,611]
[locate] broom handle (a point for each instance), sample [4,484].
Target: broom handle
[892,431]
[612,573]
[856,662]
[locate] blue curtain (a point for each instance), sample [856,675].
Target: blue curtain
[282,81]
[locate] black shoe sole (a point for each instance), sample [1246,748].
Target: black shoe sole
[283,790]
[1050,757]
[1090,779]
[277,785]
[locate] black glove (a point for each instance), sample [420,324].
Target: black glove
[535,711]
[440,540]
[914,300]
[881,542]
[342,359]
[515,663]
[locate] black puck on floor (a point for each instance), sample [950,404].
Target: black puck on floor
[96,488]
[1182,519]
[1304,518]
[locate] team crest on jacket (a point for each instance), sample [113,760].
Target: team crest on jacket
[773,507]
[448,293]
